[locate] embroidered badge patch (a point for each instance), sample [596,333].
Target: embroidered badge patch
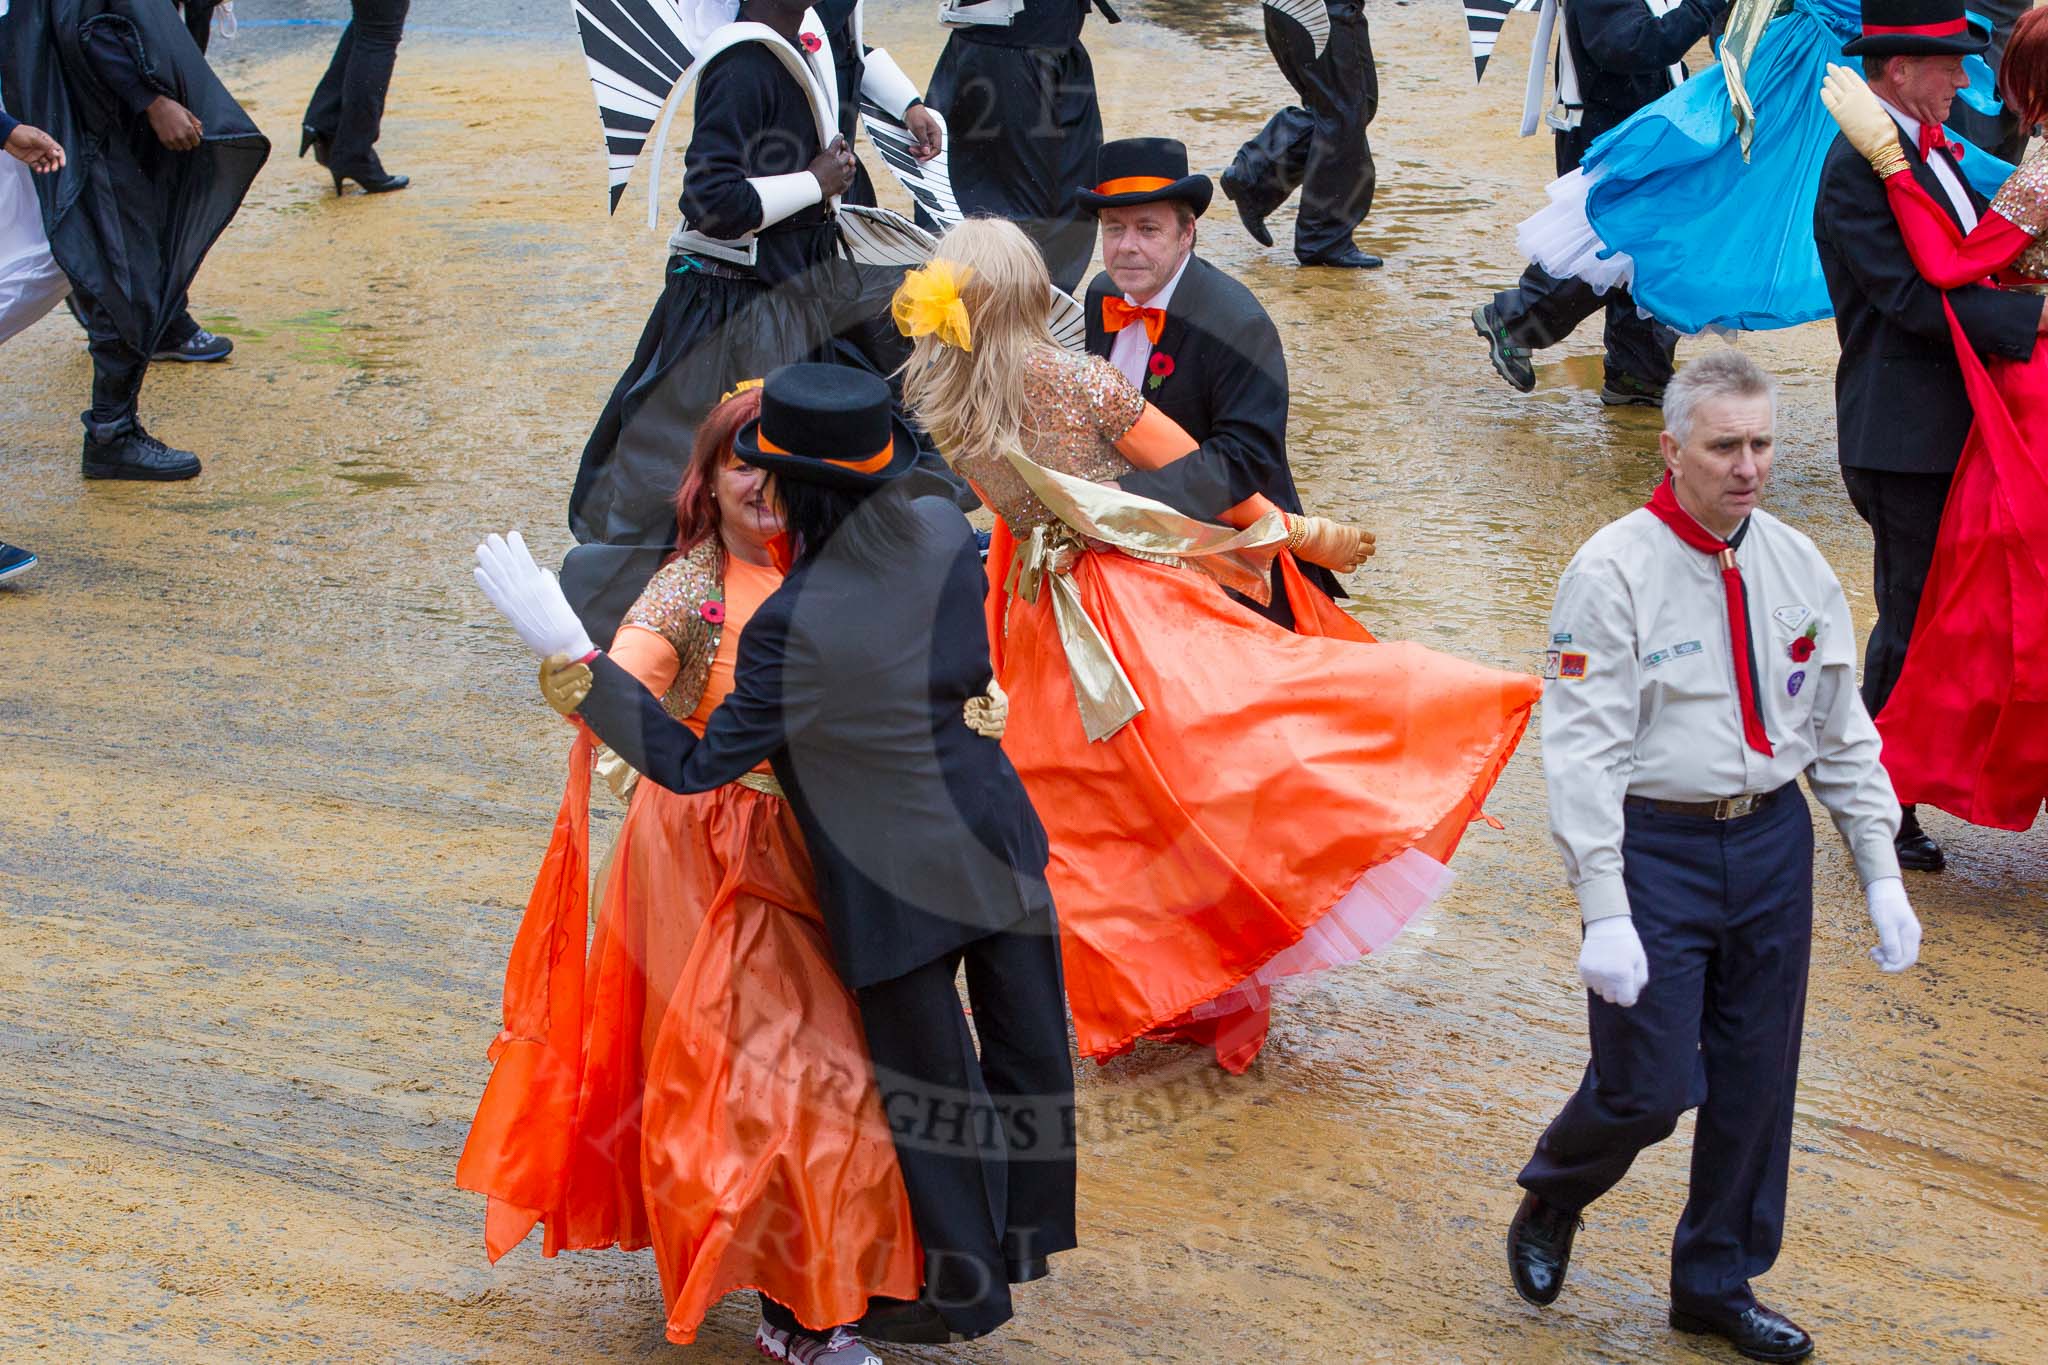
[1665,656]
[1795,682]
[1550,658]
[1563,637]
[1689,647]
[1571,666]
[1792,617]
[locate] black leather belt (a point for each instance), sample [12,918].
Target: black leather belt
[1728,808]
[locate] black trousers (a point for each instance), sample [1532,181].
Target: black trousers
[1725,912]
[1904,513]
[117,370]
[199,20]
[1025,130]
[1320,148]
[986,1141]
[348,104]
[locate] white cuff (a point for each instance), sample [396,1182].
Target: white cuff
[782,195]
[1602,898]
[1876,858]
[884,82]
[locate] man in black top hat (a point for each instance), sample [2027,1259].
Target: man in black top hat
[1901,411]
[1616,56]
[1320,149]
[1193,340]
[1018,92]
[852,680]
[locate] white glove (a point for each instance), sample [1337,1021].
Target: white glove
[1611,961]
[529,597]
[1898,928]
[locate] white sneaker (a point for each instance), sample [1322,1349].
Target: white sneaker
[838,1347]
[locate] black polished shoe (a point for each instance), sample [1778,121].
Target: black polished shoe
[312,139]
[1346,258]
[1625,390]
[135,454]
[373,182]
[1540,1249]
[1254,221]
[14,560]
[1760,1333]
[1510,361]
[1916,848]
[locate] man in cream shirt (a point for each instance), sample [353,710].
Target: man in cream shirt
[1702,657]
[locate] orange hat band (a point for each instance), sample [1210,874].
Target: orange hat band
[1133,184]
[871,465]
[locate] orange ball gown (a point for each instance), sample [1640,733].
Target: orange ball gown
[1281,802]
[703,1086]
[1966,725]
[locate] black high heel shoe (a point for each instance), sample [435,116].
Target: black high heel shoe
[373,182]
[312,139]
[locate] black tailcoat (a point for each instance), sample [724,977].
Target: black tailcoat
[1228,390]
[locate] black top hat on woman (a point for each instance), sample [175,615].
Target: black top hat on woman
[827,424]
[1916,28]
[1145,170]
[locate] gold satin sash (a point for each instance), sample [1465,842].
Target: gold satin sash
[1093,514]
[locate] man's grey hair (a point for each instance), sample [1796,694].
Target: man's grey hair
[1722,373]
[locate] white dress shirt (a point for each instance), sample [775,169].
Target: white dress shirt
[1131,352]
[1945,169]
[1641,697]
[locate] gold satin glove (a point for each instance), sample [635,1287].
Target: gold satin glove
[564,682]
[1335,545]
[1863,121]
[988,715]
[621,776]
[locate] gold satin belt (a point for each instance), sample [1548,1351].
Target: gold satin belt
[1098,516]
[763,783]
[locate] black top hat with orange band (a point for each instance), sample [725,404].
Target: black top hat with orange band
[1146,170]
[1916,28]
[828,424]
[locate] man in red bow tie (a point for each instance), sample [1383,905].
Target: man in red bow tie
[1191,339]
[1900,405]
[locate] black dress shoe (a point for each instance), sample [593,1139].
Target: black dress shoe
[1510,361]
[135,454]
[1540,1249]
[312,139]
[1346,258]
[373,182]
[1760,1333]
[1254,221]
[1917,850]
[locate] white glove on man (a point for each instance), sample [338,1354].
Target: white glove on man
[1611,961]
[529,597]
[1898,928]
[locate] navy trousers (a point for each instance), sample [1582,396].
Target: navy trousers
[1725,912]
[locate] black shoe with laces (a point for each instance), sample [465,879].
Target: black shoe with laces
[135,454]
[1625,390]
[1760,1333]
[202,346]
[1540,1249]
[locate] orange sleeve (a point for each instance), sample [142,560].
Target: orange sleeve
[1156,440]
[647,656]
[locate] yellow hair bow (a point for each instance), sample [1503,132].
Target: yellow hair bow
[929,303]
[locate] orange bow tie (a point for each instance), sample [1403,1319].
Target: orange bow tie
[1117,315]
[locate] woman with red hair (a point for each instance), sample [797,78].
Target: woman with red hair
[1966,727]
[704,1087]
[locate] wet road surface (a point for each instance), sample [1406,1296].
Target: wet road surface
[277,783]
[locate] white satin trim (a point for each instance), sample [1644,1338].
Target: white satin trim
[1560,238]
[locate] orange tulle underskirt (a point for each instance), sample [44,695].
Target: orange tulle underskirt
[717,1103]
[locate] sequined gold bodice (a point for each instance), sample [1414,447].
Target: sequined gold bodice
[2023,201]
[1077,408]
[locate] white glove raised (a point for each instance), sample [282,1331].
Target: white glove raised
[529,597]
[1611,961]
[1898,928]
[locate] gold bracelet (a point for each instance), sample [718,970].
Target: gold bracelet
[1297,530]
[1889,161]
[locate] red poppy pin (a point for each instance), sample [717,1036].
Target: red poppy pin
[1161,366]
[811,41]
[713,613]
[1801,648]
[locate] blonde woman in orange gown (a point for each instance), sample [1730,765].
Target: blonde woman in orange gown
[703,1087]
[1228,803]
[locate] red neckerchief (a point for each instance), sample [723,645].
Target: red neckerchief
[1933,135]
[1663,505]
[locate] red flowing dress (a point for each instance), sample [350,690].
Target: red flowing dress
[703,1087]
[1285,801]
[1966,727]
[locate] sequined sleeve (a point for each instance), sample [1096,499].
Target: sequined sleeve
[1116,406]
[672,606]
[2023,199]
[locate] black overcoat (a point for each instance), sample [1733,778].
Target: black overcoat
[851,680]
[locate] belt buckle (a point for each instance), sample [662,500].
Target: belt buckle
[1735,807]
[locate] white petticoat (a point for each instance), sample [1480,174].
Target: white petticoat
[30,282]
[1560,238]
[1365,920]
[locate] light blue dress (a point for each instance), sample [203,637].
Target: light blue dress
[1720,243]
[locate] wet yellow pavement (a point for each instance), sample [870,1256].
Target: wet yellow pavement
[277,782]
